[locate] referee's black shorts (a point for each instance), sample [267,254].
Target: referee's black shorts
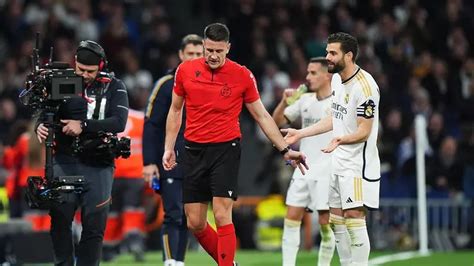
[210,170]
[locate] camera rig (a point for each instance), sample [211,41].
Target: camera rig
[47,87]
[103,145]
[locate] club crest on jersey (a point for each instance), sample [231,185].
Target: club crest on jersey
[226,91]
[197,73]
[346,98]
[369,111]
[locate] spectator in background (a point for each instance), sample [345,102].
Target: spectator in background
[138,80]
[463,86]
[7,116]
[64,50]
[447,167]
[466,106]
[157,44]
[11,79]
[420,99]
[274,81]
[118,34]
[391,136]
[436,131]
[316,43]
[436,82]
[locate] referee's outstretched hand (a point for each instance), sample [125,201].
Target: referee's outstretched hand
[292,135]
[297,159]
[169,160]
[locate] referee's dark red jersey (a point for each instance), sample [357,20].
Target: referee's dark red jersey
[214,99]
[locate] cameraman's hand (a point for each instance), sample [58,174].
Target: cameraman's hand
[72,127]
[149,171]
[41,132]
[169,160]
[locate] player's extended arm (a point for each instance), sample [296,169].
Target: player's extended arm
[364,126]
[279,112]
[322,126]
[173,123]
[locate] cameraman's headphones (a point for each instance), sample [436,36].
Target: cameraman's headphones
[96,49]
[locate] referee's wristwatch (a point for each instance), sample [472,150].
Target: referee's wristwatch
[285,150]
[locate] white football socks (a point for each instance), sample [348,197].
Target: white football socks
[291,241]
[343,241]
[360,243]
[327,246]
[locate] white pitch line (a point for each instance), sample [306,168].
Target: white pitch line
[399,256]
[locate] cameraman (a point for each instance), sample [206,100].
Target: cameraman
[103,108]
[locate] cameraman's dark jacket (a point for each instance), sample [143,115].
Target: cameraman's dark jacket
[114,119]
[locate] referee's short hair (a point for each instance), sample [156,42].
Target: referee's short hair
[217,32]
[193,39]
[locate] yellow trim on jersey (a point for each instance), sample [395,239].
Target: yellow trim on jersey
[358,189]
[154,93]
[364,84]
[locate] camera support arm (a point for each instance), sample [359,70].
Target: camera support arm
[49,173]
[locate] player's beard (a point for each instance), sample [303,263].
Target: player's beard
[338,67]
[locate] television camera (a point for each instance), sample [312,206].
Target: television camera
[49,85]
[46,87]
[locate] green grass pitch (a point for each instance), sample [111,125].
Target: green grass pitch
[261,258]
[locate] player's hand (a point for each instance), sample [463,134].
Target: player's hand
[335,142]
[169,160]
[292,135]
[287,93]
[297,159]
[41,132]
[72,127]
[149,171]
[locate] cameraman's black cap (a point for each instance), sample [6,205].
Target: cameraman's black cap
[87,57]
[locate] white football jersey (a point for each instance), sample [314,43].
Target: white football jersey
[358,96]
[311,110]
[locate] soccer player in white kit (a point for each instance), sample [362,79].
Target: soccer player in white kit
[310,191]
[355,178]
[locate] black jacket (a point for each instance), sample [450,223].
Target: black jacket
[154,130]
[112,116]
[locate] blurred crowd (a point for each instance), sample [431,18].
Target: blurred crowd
[419,52]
